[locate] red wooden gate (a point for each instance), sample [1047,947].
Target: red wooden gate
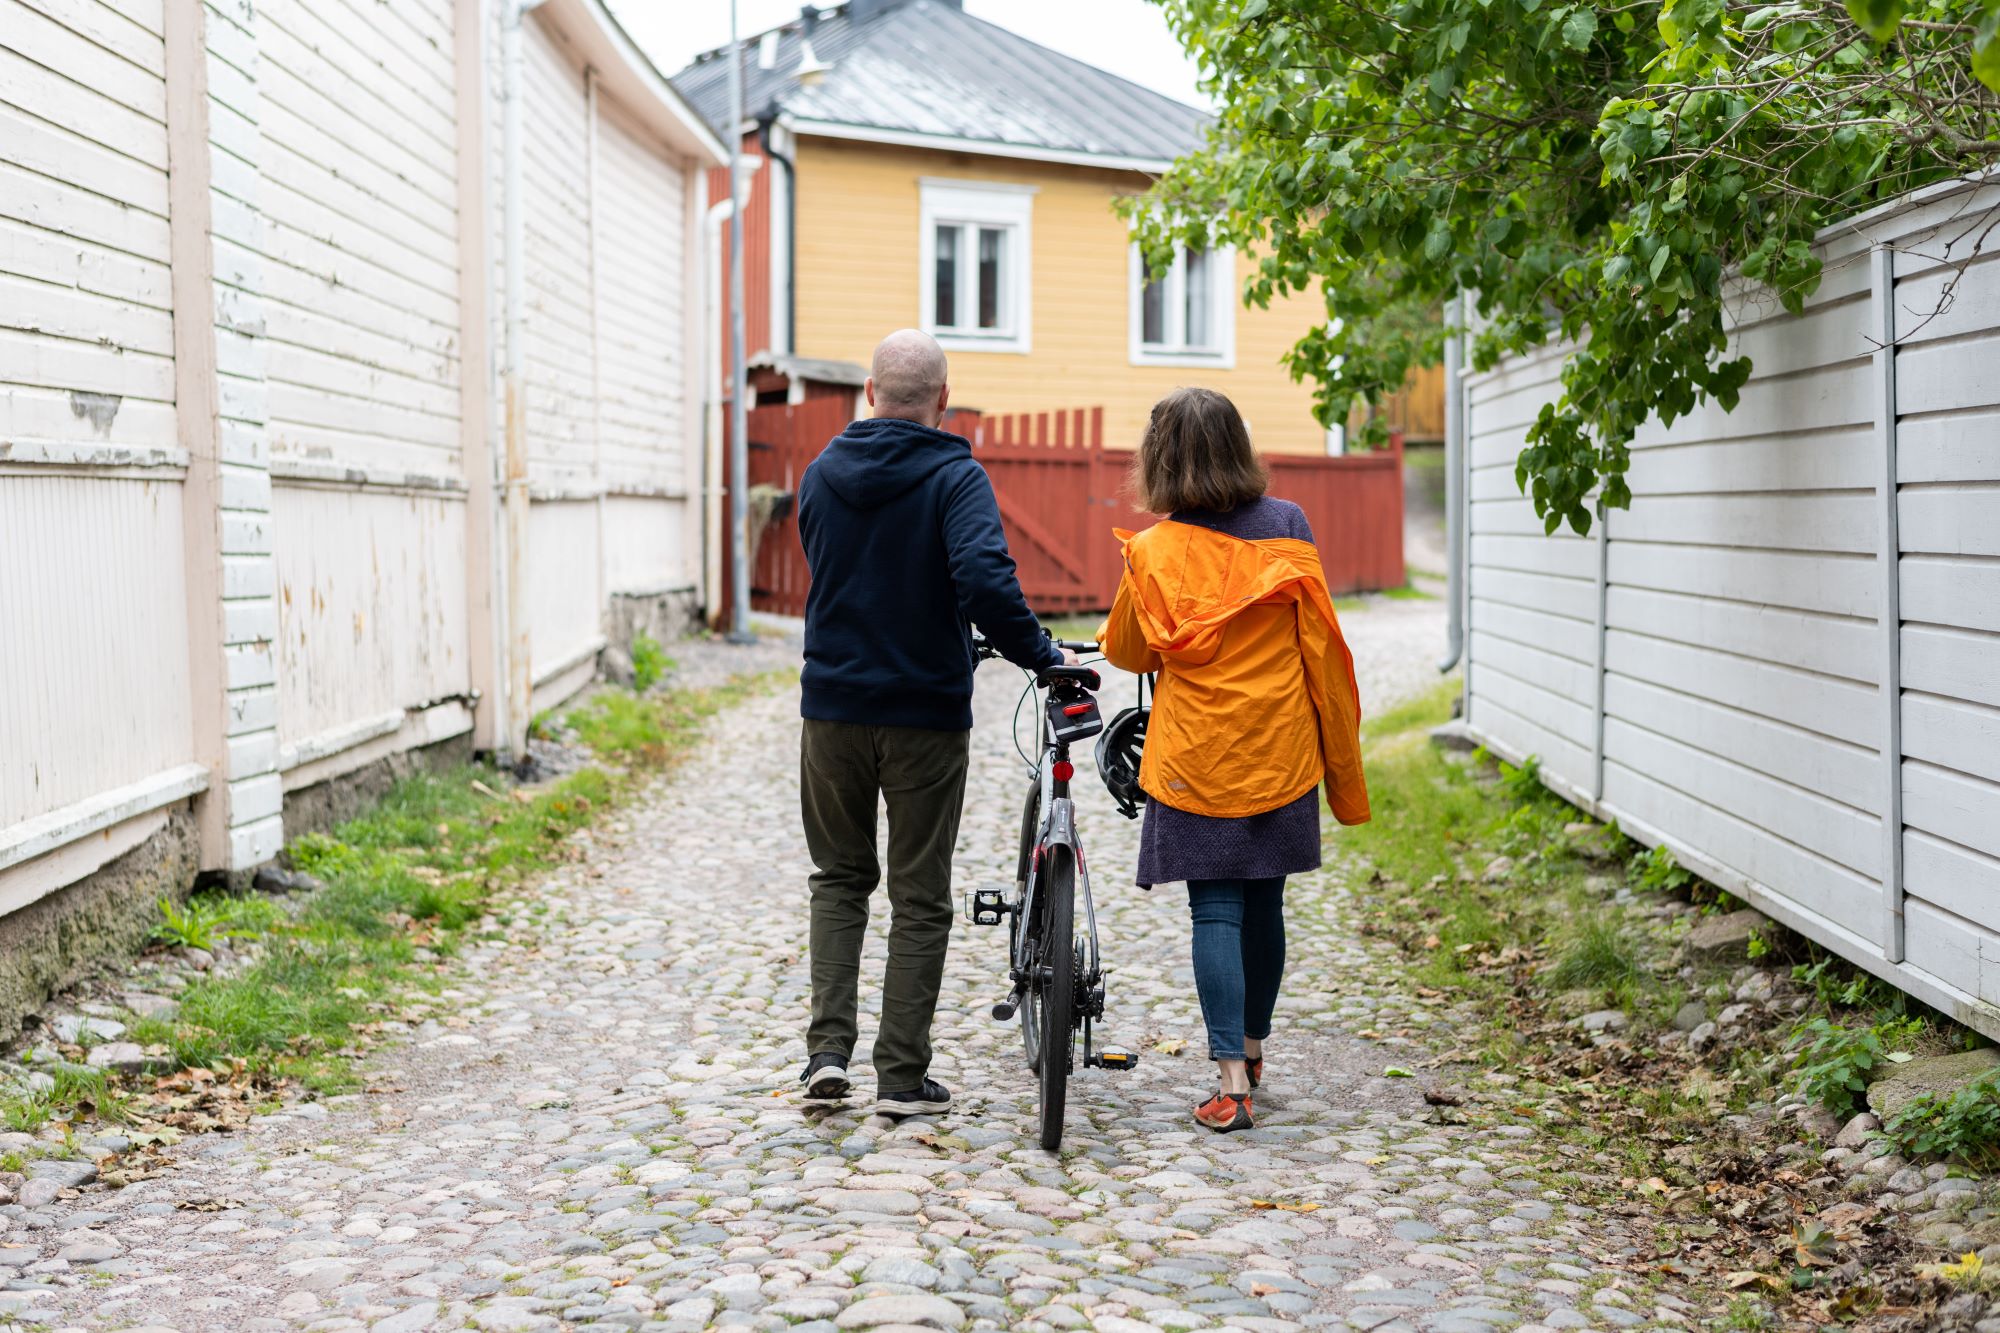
[1061,492]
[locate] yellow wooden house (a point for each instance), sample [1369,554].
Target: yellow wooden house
[917,166]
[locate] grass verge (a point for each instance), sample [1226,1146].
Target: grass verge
[1652,1070]
[403,886]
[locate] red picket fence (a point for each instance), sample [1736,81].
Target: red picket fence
[1061,492]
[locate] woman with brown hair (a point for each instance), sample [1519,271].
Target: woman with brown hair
[1255,710]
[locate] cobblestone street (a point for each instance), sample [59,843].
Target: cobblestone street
[604,1130]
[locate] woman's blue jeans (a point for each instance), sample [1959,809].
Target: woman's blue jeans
[1239,957]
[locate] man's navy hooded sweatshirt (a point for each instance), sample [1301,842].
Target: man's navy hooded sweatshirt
[904,540]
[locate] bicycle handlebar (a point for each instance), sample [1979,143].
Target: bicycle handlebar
[984,648]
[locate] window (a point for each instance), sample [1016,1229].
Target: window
[974,252]
[1186,316]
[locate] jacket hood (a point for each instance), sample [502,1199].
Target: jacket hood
[1193,582]
[875,460]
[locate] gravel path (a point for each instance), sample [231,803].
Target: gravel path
[603,1131]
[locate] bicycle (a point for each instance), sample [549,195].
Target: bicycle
[1056,971]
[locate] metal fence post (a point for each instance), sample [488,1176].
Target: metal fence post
[1603,620]
[1888,550]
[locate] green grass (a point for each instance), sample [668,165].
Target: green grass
[77,1092]
[403,883]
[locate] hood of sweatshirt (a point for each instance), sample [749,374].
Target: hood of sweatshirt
[875,460]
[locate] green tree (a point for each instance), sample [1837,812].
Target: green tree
[1590,172]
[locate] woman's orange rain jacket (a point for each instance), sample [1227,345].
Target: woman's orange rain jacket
[1256,702]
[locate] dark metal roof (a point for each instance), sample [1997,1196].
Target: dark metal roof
[927,68]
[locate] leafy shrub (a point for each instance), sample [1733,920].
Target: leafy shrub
[1658,872]
[1522,783]
[1834,1065]
[1964,1125]
[649,662]
[1836,985]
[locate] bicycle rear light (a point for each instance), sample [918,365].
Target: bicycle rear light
[1065,770]
[1072,719]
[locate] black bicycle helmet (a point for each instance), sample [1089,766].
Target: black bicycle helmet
[1118,750]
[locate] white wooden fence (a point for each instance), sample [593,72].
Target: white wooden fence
[1784,660]
[248,407]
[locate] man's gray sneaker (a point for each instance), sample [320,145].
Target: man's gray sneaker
[825,1078]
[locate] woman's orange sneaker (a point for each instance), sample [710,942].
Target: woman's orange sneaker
[1226,1112]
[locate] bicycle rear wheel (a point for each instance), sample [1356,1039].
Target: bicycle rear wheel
[1024,933]
[1053,1002]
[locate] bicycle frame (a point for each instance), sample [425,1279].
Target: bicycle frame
[1058,830]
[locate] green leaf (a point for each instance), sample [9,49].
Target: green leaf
[1579,28]
[1397,1071]
[1254,9]
[1877,18]
[1986,50]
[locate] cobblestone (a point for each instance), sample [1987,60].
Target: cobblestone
[608,1134]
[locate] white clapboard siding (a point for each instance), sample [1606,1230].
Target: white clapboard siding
[371,605]
[556,168]
[1828,645]
[1952,734]
[94,647]
[360,189]
[1796,580]
[1942,590]
[645,549]
[641,332]
[1954,878]
[1963,952]
[562,593]
[86,327]
[1800,816]
[1743,649]
[1735,837]
[1841,770]
[1841,709]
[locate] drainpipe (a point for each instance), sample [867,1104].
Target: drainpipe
[1454,480]
[739,375]
[764,123]
[711,470]
[520,670]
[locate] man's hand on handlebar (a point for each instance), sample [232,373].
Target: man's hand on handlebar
[1069,657]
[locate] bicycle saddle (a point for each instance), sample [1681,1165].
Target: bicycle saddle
[1078,675]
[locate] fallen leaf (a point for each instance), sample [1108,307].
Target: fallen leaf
[1259,1290]
[1170,1045]
[1745,1278]
[1397,1071]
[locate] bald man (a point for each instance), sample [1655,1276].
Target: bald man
[903,537]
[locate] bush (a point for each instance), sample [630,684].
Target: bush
[1835,1065]
[1964,1125]
[1658,872]
[649,662]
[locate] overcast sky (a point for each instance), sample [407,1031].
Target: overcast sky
[1127,37]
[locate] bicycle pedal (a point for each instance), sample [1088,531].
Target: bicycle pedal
[1111,1059]
[1005,1010]
[986,907]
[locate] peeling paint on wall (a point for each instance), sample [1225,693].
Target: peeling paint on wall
[99,409]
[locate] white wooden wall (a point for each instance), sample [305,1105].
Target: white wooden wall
[242,404]
[1784,659]
[96,731]
[608,359]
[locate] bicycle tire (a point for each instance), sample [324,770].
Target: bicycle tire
[1055,999]
[1021,932]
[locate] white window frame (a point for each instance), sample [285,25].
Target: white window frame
[975,204]
[1221,305]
